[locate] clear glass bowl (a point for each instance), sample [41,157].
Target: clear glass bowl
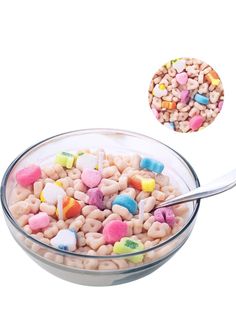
[81,268]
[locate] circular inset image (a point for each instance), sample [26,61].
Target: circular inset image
[186,94]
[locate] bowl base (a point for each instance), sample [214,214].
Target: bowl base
[94,278]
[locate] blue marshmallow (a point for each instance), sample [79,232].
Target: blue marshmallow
[152,165]
[201,99]
[127,202]
[170,125]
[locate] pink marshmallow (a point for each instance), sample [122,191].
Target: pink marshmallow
[28,175]
[165,215]
[220,105]
[184,96]
[91,178]
[39,221]
[196,122]
[114,231]
[95,197]
[181,78]
[155,112]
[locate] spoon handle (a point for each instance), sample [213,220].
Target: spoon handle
[218,186]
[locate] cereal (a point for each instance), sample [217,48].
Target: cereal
[74,173]
[86,210]
[100,207]
[148,223]
[81,196]
[105,250]
[76,225]
[130,191]
[37,188]
[19,194]
[97,215]
[158,230]
[94,240]
[109,186]
[34,203]
[20,208]
[50,231]
[122,211]
[149,204]
[112,216]
[185,88]
[23,220]
[91,225]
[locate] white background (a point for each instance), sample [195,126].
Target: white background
[68,65]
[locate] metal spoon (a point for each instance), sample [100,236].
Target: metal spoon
[218,186]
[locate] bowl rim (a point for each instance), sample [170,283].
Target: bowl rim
[81,255]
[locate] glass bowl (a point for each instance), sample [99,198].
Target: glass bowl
[101,270]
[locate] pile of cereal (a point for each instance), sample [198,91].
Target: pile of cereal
[96,203]
[186,95]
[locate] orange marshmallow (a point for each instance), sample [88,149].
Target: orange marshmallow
[71,208]
[212,77]
[168,105]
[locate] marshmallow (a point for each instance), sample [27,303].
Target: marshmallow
[179,65]
[128,245]
[114,231]
[91,178]
[39,221]
[160,90]
[70,208]
[152,165]
[142,183]
[213,78]
[28,175]
[165,215]
[126,202]
[196,122]
[201,99]
[65,240]
[168,105]
[65,159]
[86,161]
[51,192]
[182,78]
[95,197]
[184,96]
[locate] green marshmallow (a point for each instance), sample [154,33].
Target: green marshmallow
[126,246]
[65,159]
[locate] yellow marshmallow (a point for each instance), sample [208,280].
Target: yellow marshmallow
[148,184]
